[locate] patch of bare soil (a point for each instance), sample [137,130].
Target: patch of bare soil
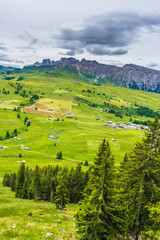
[68,98]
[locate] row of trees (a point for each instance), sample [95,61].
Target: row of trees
[53,184]
[123,204]
[23,92]
[120,111]
[4,91]
[9,135]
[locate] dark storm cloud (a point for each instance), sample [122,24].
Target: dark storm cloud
[73,47]
[100,51]
[109,34]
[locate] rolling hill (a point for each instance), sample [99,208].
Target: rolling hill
[48,109]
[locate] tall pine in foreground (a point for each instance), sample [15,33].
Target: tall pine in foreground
[140,184]
[96,218]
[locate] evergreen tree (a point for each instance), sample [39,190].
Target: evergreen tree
[37,182]
[86,178]
[28,123]
[152,136]
[61,191]
[25,120]
[8,135]
[6,180]
[140,183]
[96,218]
[70,184]
[86,163]
[18,115]
[13,181]
[29,175]
[53,189]
[24,193]
[45,188]
[59,155]
[20,180]
[15,132]
[76,184]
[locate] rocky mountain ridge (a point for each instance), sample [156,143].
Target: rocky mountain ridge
[130,75]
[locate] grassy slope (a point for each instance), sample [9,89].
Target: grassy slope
[79,139]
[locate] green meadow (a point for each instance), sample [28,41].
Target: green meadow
[78,137]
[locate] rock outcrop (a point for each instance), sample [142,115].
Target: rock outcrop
[130,75]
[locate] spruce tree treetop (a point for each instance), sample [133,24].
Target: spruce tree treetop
[140,183]
[96,218]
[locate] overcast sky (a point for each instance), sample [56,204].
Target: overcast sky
[109,31]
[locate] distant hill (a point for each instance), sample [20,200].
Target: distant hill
[7,70]
[130,75]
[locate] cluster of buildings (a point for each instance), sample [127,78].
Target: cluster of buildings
[69,115]
[117,125]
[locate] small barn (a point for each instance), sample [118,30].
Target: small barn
[113,139]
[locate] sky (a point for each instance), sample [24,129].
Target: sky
[115,32]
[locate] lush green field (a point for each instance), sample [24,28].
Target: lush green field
[78,138]
[28,219]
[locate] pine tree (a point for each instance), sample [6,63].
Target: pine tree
[86,163]
[140,183]
[59,155]
[6,180]
[24,193]
[152,136]
[15,132]
[96,218]
[29,175]
[28,123]
[61,191]
[13,181]
[53,189]
[25,120]
[45,188]
[8,135]
[76,184]
[18,115]
[37,183]
[20,180]
[70,184]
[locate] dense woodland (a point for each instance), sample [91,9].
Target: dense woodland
[115,203]
[53,184]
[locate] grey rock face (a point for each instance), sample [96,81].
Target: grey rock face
[130,75]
